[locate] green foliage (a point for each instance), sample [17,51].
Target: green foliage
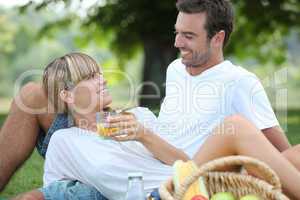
[27,52]
[30,42]
[124,24]
[7,32]
[135,21]
[261,26]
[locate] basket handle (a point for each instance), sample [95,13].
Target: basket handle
[268,174]
[164,190]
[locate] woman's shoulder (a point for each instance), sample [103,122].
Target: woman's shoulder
[65,133]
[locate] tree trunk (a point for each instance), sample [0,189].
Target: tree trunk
[157,57]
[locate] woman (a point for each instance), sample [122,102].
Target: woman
[78,154]
[75,85]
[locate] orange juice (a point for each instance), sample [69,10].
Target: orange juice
[105,131]
[101,118]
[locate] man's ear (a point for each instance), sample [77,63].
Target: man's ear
[66,96]
[218,39]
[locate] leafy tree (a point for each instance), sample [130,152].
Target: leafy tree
[20,51]
[260,28]
[7,31]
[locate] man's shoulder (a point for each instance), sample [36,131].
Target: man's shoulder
[239,75]
[174,68]
[245,81]
[245,77]
[175,64]
[239,72]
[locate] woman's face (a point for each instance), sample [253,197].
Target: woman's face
[90,95]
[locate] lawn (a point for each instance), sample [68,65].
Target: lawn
[30,175]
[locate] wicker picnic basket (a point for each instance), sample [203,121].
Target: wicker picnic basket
[239,183]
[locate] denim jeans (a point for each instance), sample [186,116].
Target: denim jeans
[75,190]
[70,190]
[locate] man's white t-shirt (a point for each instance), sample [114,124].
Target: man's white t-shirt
[193,106]
[208,98]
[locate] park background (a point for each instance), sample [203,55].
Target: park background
[136,37]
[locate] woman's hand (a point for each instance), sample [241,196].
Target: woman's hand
[128,127]
[131,129]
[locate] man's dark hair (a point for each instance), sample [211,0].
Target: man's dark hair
[219,15]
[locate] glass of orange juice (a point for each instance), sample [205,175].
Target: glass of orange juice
[101,119]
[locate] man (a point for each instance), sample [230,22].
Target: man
[200,38]
[195,45]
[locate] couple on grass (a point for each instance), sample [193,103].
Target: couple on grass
[212,109]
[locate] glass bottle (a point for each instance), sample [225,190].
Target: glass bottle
[135,189]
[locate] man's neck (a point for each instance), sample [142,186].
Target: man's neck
[194,71]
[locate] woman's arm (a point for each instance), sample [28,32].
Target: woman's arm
[161,149]
[131,129]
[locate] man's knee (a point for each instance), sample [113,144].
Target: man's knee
[31,99]
[30,86]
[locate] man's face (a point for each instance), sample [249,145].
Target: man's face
[191,39]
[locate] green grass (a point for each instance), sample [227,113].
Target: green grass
[30,175]
[293,125]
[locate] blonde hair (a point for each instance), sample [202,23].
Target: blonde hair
[64,73]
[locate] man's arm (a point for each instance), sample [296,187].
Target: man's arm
[277,137]
[19,132]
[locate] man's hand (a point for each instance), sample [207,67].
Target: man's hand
[277,137]
[32,195]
